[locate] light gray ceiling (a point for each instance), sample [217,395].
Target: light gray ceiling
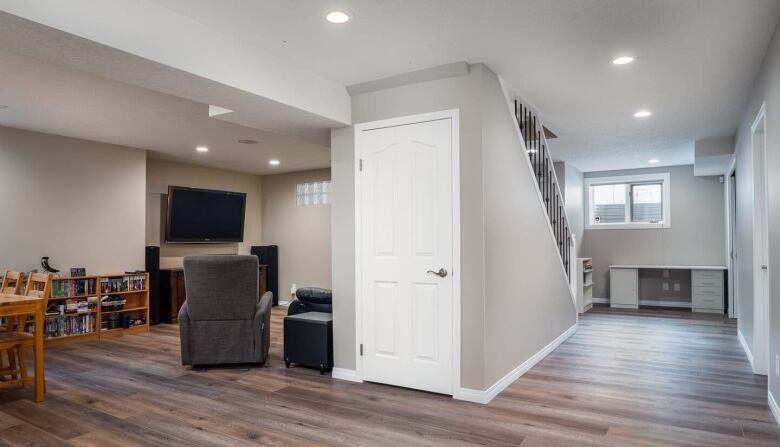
[53,99]
[696,59]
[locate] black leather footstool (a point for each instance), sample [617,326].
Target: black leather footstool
[308,340]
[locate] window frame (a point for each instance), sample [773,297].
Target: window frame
[629,180]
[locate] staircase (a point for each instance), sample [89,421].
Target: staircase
[533,133]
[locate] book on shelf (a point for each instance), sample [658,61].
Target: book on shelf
[71,306]
[65,325]
[126,283]
[72,287]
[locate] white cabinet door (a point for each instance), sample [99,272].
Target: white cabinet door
[407,254]
[624,288]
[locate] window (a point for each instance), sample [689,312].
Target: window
[609,203]
[631,202]
[313,193]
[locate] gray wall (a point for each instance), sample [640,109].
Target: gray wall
[766,88]
[301,232]
[495,203]
[342,218]
[697,235]
[79,202]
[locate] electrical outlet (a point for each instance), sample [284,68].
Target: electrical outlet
[777,365]
[677,287]
[666,286]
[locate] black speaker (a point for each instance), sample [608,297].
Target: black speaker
[269,255]
[153,267]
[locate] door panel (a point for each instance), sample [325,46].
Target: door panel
[406,231]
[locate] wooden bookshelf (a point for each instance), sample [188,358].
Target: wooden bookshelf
[134,289]
[68,325]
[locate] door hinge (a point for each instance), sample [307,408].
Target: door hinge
[361,165]
[361,349]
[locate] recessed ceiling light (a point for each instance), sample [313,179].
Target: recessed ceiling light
[653,160]
[643,114]
[247,141]
[623,60]
[202,149]
[337,17]
[273,162]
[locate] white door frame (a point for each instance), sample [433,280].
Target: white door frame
[760,249]
[454,115]
[731,249]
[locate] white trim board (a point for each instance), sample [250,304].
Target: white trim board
[761,286]
[773,406]
[349,375]
[745,347]
[484,397]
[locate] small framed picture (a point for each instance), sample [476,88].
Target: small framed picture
[78,271]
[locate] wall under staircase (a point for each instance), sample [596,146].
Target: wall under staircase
[516,301]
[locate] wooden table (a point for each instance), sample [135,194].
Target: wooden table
[29,305]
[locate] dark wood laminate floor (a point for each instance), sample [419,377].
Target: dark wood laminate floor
[624,379]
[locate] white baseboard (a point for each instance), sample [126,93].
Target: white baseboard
[345,374]
[773,406]
[586,308]
[745,347]
[600,300]
[666,303]
[483,397]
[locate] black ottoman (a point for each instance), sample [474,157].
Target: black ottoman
[308,340]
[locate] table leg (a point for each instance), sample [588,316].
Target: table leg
[39,378]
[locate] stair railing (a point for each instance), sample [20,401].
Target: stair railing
[538,153]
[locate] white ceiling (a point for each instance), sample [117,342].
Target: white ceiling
[696,59]
[90,78]
[53,99]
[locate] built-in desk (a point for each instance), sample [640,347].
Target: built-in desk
[706,287]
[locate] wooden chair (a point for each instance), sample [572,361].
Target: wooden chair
[12,282]
[15,340]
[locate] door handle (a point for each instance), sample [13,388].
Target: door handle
[763,267]
[441,273]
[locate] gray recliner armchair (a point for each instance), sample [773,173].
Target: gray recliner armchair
[222,321]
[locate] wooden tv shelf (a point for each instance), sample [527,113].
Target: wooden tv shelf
[98,323]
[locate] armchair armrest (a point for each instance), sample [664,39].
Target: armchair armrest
[184,334]
[263,310]
[262,322]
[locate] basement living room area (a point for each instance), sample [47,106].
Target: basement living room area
[372,223]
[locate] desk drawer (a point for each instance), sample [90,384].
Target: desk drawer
[710,283]
[707,275]
[707,301]
[710,291]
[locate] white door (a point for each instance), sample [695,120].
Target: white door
[407,255]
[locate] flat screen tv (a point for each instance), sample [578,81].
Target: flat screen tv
[204,215]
